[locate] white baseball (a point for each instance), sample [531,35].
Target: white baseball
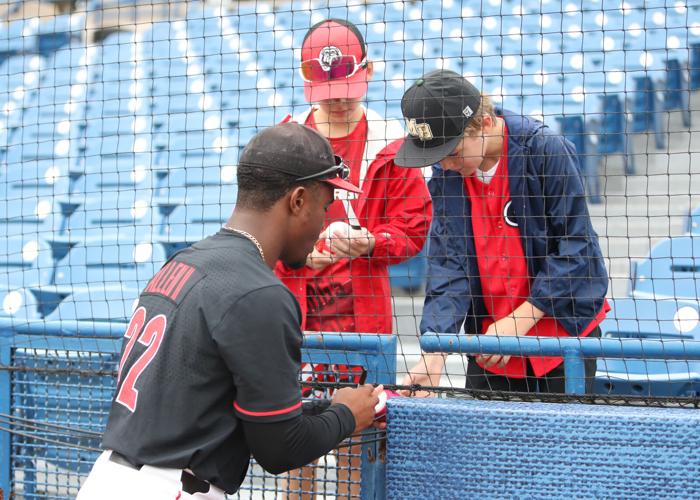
[338,230]
[382,402]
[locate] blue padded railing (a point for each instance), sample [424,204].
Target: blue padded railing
[573,349]
[456,448]
[376,353]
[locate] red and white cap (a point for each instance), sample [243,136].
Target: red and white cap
[327,40]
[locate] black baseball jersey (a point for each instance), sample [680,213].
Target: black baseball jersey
[215,339]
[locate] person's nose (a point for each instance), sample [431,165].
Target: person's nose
[450,163]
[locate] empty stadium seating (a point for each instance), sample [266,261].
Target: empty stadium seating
[142,110]
[669,319]
[19,304]
[672,270]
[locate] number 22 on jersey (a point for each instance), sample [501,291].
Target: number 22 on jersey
[150,336]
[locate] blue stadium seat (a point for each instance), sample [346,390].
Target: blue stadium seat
[693,226]
[24,261]
[203,25]
[178,170]
[113,81]
[113,145]
[672,270]
[164,85]
[73,57]
[38,149]
[110,181]
[97,303]
[646,110]
[179,236]
[15,68]
[201,205]
[111,264]
[98,107]
[694,66]
[677,92]
[574,129]
[58,32]
[50,101]
[117,49]
[25,215]
[37,178]
[116,126]
[123,208]
[19,304]
[19,36]
[665,319]
[160,30]
[613,134]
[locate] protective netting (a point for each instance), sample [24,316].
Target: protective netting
[121,126]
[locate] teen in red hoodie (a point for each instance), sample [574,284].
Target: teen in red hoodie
[345,285]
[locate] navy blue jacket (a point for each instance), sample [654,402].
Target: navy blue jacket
[568,280]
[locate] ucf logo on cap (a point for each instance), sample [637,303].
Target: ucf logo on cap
[420,130]
[328,56]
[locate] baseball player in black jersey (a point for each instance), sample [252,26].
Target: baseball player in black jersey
[210,360]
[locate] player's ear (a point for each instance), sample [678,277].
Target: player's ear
[370,69]
[297,198]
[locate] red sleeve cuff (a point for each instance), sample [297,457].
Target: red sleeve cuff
[270,413]
[381,241]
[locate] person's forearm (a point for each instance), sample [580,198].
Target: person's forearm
[315,406]
[283,446]
[435,362]
[431,364]
[526,317]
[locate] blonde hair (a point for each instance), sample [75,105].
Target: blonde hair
[485,109]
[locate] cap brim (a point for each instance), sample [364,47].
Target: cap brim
[341,184]
[412,155]
[343,88]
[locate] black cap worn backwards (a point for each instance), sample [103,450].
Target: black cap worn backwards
[437,108]
[295,149]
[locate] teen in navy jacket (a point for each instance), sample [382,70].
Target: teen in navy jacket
[542,207]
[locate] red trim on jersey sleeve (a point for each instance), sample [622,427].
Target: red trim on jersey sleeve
[267,413]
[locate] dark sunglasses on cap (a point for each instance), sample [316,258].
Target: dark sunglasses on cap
[340,169]
[314,70]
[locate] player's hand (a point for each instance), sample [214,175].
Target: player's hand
[344,241]
[361,402]
[426,372]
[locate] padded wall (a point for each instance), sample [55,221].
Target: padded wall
[444,449]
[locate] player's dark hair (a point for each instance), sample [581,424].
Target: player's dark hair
[260,188]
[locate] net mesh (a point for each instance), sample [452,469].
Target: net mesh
[121,125]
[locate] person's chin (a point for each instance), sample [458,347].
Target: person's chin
[295,264]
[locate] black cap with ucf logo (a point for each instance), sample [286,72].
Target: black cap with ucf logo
[437,108]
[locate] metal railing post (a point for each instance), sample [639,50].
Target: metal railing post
[381,370]
[574,371]
[377,353]
[5,409]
